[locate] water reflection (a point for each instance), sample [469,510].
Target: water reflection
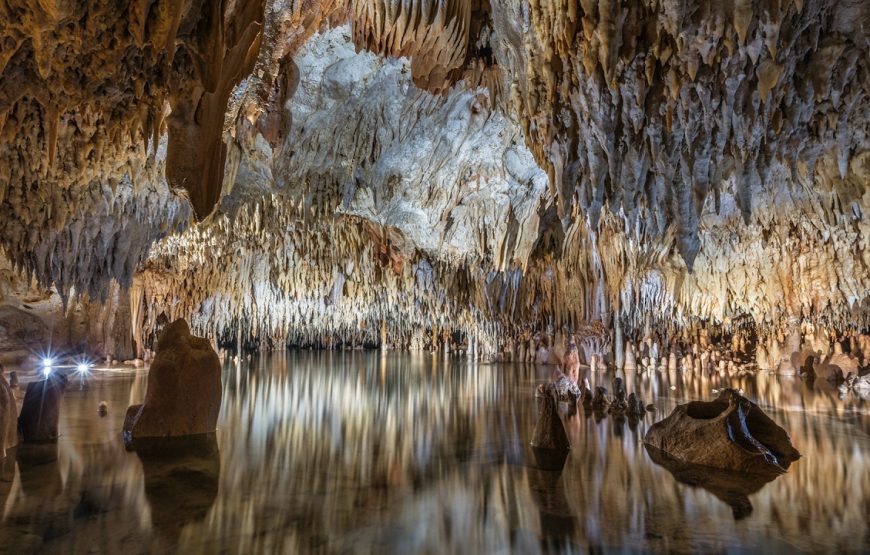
[732,488]
[181,482]
[359,452]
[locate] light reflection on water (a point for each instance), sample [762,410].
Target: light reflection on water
[359,452]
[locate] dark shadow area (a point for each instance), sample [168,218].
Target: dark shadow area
[706,410]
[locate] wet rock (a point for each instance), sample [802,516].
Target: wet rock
[130,417]
[184,388]
[40,411]
[635,406]
[858,385]
[8,417]
[620,403]
[730,432]
[566,390]
[103,409]
[550,442]
[600,402]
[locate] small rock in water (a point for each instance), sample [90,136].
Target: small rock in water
[104,409]
[600,401]
[635,405]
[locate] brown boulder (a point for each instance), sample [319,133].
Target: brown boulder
[184,388]
[730,433]
[40,411]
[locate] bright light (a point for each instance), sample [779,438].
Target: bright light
[46,371]
[47,363]
[83,367]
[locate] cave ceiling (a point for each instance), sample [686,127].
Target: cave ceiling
[301,165]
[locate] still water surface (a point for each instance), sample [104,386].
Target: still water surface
[363,452]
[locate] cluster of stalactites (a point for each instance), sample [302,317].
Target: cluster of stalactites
[434,34]
[650,108]
[80,230]
[270,273]
[89,93]
[299,274]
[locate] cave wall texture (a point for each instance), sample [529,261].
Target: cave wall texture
[379,170]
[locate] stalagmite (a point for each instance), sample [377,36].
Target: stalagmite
[630,363]
[184,389]
[550,443]
[619,348]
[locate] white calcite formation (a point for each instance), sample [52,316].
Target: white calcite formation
[362,226]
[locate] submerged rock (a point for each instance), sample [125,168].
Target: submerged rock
[184,388]
[40,411]
[730,432]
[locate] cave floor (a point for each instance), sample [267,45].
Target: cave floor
[338,452]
